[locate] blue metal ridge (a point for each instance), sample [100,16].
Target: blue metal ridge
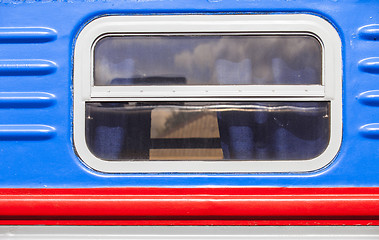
[369,32]
[370,65]
[28,67]
[26,99]
[27,35]
[26,132]
[370,130]
[370,98]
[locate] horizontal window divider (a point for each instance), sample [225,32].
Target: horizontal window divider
[208,99]
[208,91]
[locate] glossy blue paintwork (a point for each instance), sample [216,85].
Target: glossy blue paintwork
[370,130]
[370,98]
[36,55]
[26,35]
[369,32]
[370,65]
[30,67]
[26,100]
[26,132]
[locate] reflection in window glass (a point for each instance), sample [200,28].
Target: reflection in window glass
[207,131]
[207,60]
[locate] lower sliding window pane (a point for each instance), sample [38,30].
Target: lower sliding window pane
[207,130]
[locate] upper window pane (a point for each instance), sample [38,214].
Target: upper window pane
[207,60]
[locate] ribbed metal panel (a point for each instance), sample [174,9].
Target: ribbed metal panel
[26,99]
[369,32]
[27,35]
[370,65]
[29,67]
[370,130]
[26,132]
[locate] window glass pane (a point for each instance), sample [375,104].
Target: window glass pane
[207,131]
[207,60]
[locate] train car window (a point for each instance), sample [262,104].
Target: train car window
[247,93]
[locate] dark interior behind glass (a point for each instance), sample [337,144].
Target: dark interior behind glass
[207,130]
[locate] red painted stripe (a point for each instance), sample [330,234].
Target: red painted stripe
[193,222]
[190,191]
[189,206]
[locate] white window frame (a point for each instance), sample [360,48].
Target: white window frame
[279,24]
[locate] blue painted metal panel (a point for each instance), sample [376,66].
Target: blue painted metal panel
[30,35]
[36,59]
